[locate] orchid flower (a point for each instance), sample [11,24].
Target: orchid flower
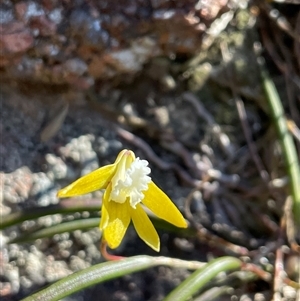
[127,186]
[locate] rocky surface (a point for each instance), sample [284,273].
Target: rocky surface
[79,44]
[31,176]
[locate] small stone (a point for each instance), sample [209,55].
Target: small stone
[17,185]
[75,66]
[55,270]
[77,264]
[26,282]
[43,190]
[289,292]
[12,273]
[34,268]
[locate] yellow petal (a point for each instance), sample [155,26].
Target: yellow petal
[160,204]
[104,212]
[144,227]
[97,179]
[118,222]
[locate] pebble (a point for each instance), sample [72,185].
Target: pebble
[12,274]
[3,241]
[80,150]
[77,264]
[57,169]
[43,191]
[55,270]
[75,66]
[17,185]
[26,282]
[289,292]
[35,268]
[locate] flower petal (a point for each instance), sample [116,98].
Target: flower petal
[104,213]
[97,179]
[144,227]
[160,204]
[118,222]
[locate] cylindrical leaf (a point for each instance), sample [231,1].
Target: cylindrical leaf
[201,277]
[67,206]
[91,276]
[81,224]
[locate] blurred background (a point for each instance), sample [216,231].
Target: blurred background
[178,83]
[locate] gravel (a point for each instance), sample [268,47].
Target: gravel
[31,174]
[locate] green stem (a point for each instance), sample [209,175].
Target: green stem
[66,206]
[201,277]
[91,276]
[104,272]
[81,224]
[286,140]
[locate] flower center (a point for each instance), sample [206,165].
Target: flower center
[130,182]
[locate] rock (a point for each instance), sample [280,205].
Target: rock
[43,191]
[57,168]
[15,40]
[80,44]
[55,270]
[80,150]
[17,185]
[35,268]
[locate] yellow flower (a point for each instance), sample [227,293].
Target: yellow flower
[127,186]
